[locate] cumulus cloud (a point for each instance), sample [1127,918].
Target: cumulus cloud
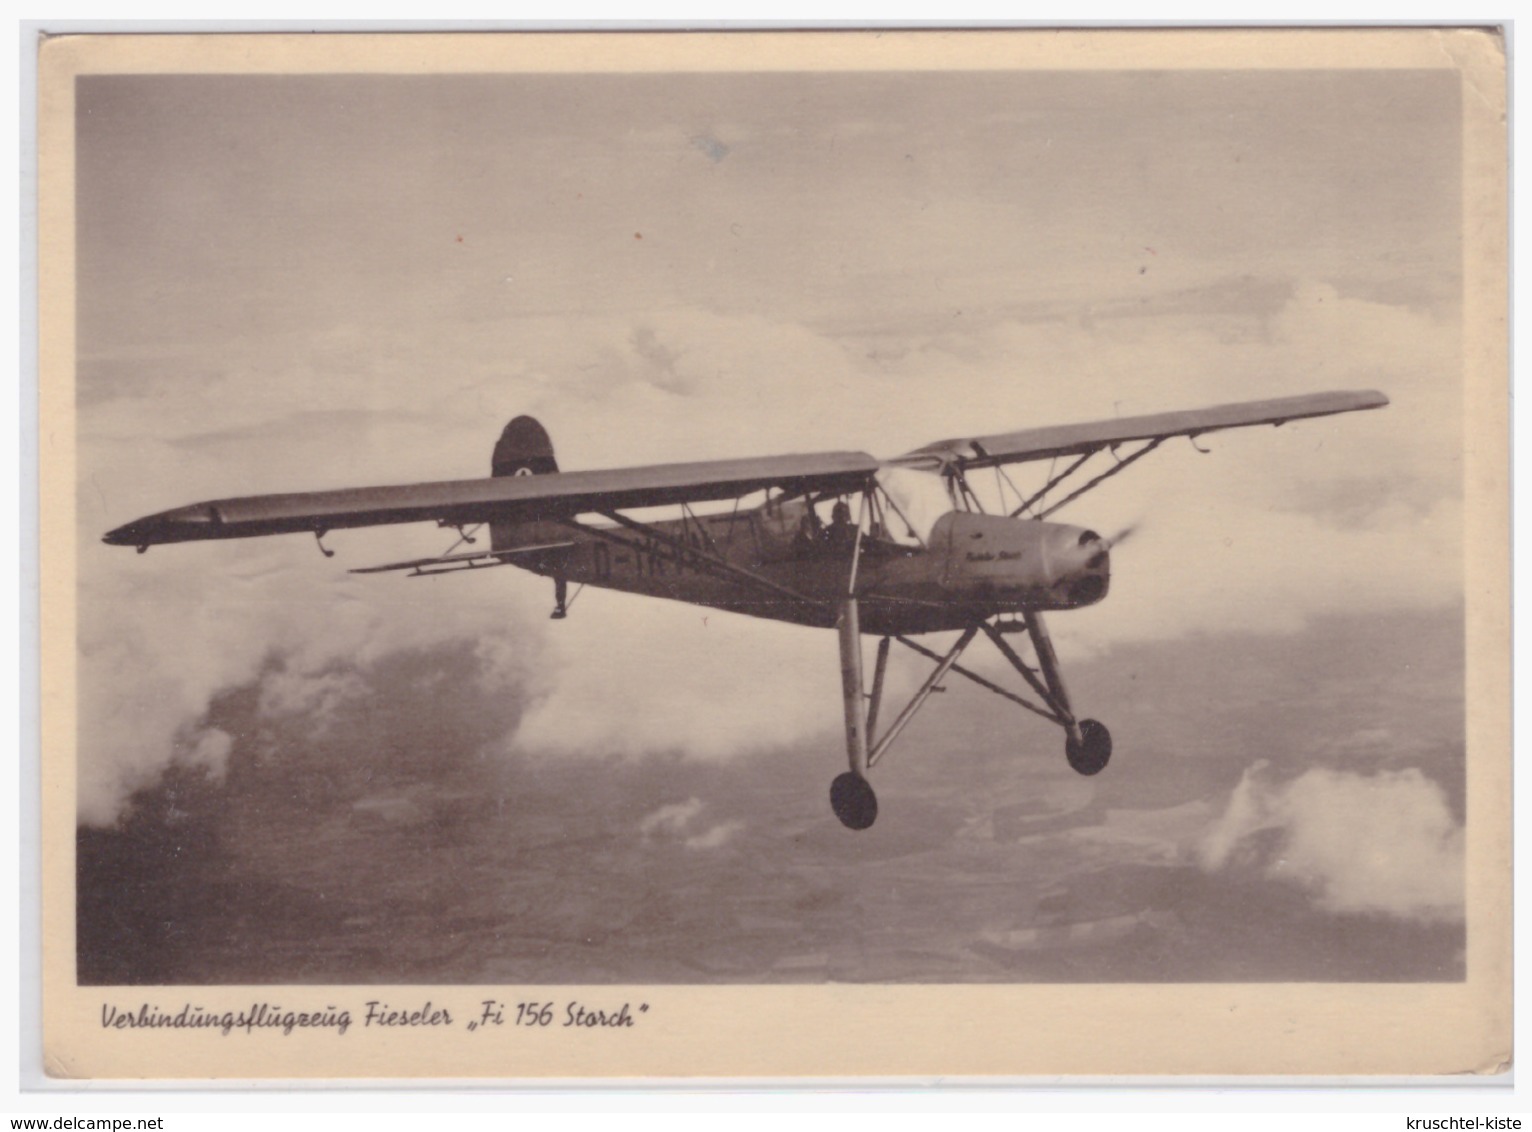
[317,695]
[1375,844]
[670,818]
[625,675]
[212,752]
[718,835]
[676,821]
[157,644]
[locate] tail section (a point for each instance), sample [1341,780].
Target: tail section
[523,450]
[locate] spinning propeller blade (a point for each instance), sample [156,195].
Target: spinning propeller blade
[1123,535]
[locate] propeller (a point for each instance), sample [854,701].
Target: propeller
[1123,535]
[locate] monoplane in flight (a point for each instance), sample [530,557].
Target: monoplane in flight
[829,545]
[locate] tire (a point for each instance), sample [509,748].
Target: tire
[1094,750]
[853,801]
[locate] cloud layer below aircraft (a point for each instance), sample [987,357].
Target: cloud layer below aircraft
[1381,844]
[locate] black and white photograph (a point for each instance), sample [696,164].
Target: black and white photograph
[868,524]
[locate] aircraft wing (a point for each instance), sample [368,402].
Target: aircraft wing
[1082,439]
[503,498]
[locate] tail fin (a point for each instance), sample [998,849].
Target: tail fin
[523,450]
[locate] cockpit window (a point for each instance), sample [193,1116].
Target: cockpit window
[918,498]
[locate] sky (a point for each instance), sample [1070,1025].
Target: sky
[295,283]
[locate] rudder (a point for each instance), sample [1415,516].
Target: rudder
[523,449]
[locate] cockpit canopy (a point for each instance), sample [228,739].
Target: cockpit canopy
[908,507]
[917,500]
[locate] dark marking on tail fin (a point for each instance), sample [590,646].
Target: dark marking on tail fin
[523,450]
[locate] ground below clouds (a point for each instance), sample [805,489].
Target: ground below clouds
[369,826]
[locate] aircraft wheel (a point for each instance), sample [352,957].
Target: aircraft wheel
[853,801]
[1094,750]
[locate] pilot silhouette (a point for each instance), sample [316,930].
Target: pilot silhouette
[839,532]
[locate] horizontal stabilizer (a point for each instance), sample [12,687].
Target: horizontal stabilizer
[471,560]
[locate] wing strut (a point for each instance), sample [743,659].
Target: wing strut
[729,569]
[944,663]
[848,625]
[1050,716]
[1050,485]
[1106,475]
[1088,744]
[451,563]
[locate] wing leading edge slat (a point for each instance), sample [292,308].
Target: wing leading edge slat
[504,498]
[1092,436]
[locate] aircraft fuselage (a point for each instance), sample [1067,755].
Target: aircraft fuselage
[780,562]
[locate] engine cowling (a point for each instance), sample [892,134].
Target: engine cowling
[1026,562]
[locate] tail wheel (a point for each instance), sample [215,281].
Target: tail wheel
[1094,750]
[853,801]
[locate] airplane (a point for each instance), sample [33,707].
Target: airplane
[878,574]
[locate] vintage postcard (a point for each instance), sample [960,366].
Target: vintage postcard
[814,555]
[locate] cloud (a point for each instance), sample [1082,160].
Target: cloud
[670,818]
[1383,844]
[675,819]
[212,751]
[351,832]
[714,837]
[317,695]
[627,675]
[157,645]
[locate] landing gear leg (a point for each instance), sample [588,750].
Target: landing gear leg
[851,796]
[560,593]
[1088,744]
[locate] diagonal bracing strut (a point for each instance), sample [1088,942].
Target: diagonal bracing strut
[920,697]
[1050,716]
[700,557]
[1106,475]
[1049,686]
